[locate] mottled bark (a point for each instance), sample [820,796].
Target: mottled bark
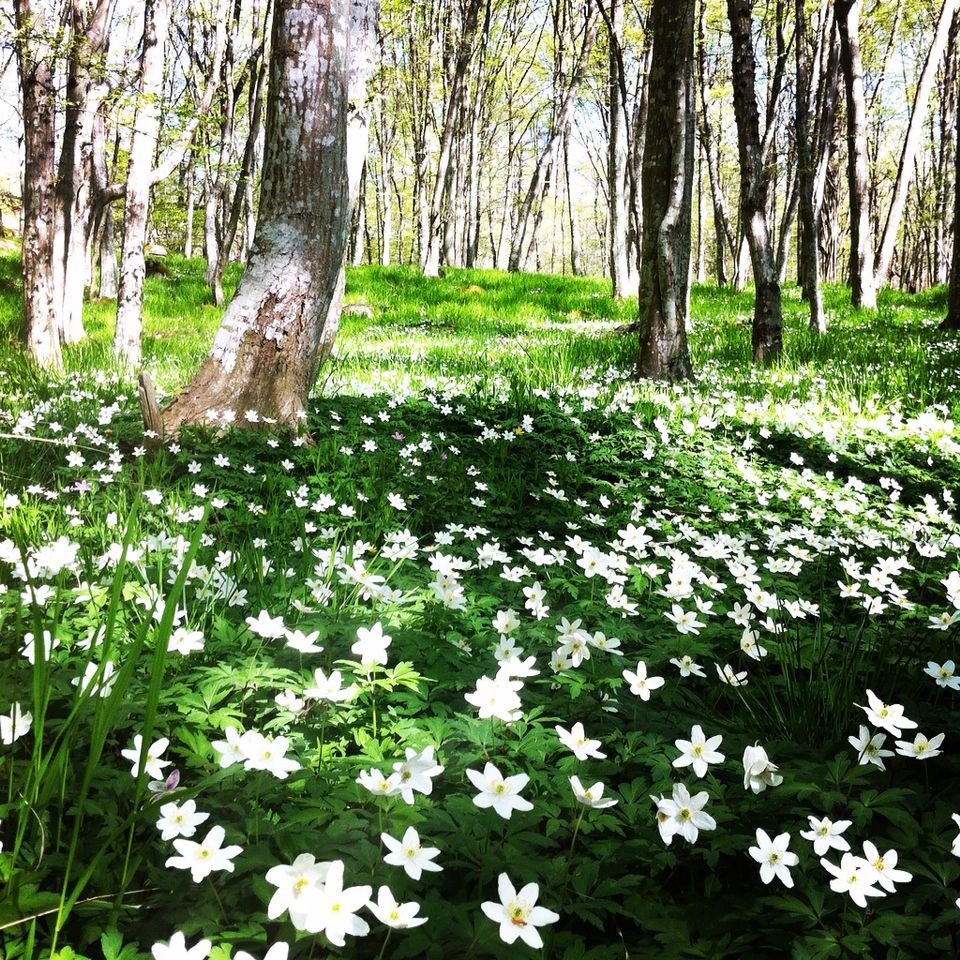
[35,58]
[665,262]
[754,187]
[279,325]
[809,233]
[863,290]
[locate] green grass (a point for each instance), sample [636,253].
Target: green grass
[539,331]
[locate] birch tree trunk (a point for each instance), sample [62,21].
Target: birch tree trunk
[279,325]
[863,289]
[754,187]
[918,117]
[35,56]
[126,339]
[809,233]
[665,262]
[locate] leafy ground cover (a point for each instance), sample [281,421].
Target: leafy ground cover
[682,658]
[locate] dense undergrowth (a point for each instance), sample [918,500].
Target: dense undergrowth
[350,619]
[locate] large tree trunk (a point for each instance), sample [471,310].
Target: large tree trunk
[279,325]
[35,56]
[665,262]
[525,230]
[809,233]
[918,117]
[863,290]
[754,187]
[126,339]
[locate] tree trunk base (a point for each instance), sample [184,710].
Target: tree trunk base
[150,411]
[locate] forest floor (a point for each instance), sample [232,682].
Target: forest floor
[366,658]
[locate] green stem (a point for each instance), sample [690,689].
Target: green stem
[386,940]
[216,897]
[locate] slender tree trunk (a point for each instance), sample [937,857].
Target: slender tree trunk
[701,271]
[754,186]
[576,267]
[356,257]
[721,216]
[828,97]
[472,226]
[809,233]
[787,224]
[430,262]
[277,328]
[244,179]
[530,209]
[617,148]
[35,58]
[89,38]
[635,165]
[947,121]
[191,202]
[386,242]
[103,231]
[911,143]
[665,263]
[863,290]
[126,341]
[952,320]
